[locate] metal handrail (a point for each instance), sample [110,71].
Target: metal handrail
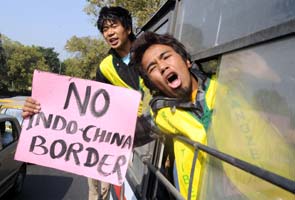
[164,180]
[266,175]
[171,188]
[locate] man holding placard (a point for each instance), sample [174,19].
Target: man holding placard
[115,23]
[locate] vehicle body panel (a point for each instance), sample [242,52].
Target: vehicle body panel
[9,168]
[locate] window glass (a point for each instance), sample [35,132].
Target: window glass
[7,135]
[136,169]
[254,120]
[163,28]
[162,25]
[15,113]
[203,24]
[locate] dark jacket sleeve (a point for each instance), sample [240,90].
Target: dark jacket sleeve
[100,77]
[145,131]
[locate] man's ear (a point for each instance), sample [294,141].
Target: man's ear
[188,64]
[129,31]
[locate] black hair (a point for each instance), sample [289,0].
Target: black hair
[115,13]
[148,39]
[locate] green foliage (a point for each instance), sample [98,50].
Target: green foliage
[141,10]
[21,64]
[17,61]
[21,61]
[88,53]
[72,67]
[51,59]
[3,67]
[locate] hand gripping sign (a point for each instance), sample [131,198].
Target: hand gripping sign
[84,127]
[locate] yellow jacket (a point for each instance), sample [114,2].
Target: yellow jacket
[113,70]
[191,123]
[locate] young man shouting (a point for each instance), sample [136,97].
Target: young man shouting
[182,103]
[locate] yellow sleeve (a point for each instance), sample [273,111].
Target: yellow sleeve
[186,124]
[181,122]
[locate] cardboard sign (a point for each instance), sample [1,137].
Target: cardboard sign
[84,127]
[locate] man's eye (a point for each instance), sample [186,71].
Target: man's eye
[166,57]
[151,69]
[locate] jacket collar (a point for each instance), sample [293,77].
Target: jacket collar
[114,53]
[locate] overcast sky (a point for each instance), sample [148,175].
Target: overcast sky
[47,23]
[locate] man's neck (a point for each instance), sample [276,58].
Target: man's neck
[195,84]
[194,91]
[125,49]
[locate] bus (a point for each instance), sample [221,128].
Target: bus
[249,46]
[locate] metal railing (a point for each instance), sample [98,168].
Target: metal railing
[263,174]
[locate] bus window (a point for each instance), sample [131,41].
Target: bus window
[203,24]
[254,121]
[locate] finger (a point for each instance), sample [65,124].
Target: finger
[31,108]
[31,105]
[30,100]
[26,114]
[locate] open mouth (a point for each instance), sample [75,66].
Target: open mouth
[113,41]
[173,80]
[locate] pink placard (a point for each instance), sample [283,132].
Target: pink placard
[84,127]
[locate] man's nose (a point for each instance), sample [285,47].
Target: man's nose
[162,66]
[110,31]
